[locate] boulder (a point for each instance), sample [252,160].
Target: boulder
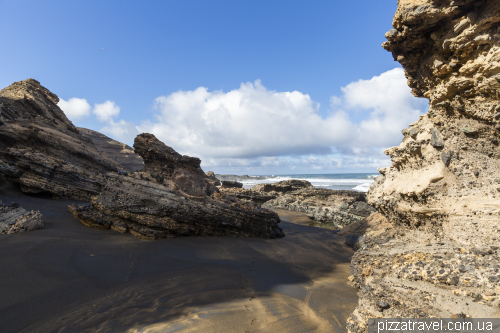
[283,186]
[211,176]
[178,201]
[15,219]
[41,149]
[231,184]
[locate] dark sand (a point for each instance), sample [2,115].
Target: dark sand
[71,278]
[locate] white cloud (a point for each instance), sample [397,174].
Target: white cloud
[123,131]
[253,129]
[106,111]
[75,108]
[390,107]
[250,121]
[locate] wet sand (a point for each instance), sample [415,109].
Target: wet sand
[71,278]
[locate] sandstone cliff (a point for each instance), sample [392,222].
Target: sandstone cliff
[42,150]
[119,152]
[441,193]
[172,196]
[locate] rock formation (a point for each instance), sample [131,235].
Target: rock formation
[322,205]
[340,207]
[16,219]
[42,150]
[119,152]
[172,196]
[211,176]
[441,194]
[231,184]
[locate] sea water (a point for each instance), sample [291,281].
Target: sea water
[345,181]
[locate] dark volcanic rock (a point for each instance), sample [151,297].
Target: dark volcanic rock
[183,203]
[283,186]
[42,150]
[183,171]
[15,219]
[119,152]
[231,184]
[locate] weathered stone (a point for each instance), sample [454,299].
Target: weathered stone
[231,184]
[15,219]
[469,131]
[184,203]
[437,139]
[446,158]
[42,150]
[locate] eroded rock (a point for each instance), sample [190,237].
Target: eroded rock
[15,219]
[442,199]
[41,149]
[179,201]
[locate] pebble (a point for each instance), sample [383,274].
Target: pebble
[383,305]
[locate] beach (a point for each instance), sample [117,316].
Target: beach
[69,278]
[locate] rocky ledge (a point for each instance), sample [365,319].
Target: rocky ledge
[15,219]
[441,195]
[172,196]
[41,149]
[322,205]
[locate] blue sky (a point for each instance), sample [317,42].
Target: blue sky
[251,87]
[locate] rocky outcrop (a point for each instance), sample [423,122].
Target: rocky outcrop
[172,196]
[441,192]
[119,152]
[231,184]
[340,208]
[240,178]
[41,149]
[283,186]
[15,219]
[211,177]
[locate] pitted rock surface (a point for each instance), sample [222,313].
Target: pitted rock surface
[441,194]
[42,150]
[172,197]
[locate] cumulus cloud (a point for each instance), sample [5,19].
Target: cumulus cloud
[250,121]
[389,107]
[123,131]
[256,129]
[253,123]
[75,108]
[105,111]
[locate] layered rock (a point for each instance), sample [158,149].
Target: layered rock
[15,219]
[41,149]
[441,193]
[172,196]
[119,152]
[340,207]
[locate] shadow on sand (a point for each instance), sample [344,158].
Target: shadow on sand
[71,278]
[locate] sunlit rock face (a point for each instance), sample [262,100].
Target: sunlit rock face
[172,196]
[41,149]
[441,194]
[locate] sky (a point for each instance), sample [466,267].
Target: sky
[250,87]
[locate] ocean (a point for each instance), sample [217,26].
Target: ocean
[345,181]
